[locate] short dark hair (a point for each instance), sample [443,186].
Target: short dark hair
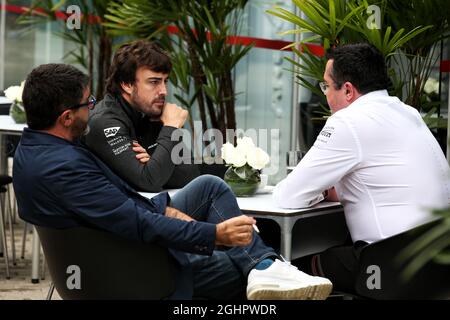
[50,88]
[129,57]
[361,64]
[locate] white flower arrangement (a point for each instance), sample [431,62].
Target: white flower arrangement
[244,153]
[14,93]
[17,111]
[245,163]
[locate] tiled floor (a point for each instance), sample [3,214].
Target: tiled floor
[19,287]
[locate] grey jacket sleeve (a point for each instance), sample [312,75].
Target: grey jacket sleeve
[182,175]
[111,140]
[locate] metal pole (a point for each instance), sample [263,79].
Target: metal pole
[295,124]
[35,257]
[448,121]
[297,139]
[2,43]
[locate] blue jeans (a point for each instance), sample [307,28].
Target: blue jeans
[224,274]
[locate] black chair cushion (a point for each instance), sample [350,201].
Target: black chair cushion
[430,282]
[111,267]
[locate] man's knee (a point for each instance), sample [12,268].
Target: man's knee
[212,183]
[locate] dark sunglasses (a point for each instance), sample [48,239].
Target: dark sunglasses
[90,104]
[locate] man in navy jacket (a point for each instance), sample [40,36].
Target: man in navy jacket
[60,184]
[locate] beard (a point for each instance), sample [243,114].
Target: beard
[80,128]
[149,108]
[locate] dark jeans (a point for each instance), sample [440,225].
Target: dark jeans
[224,274]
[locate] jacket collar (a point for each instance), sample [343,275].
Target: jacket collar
[38,137]
[134,115]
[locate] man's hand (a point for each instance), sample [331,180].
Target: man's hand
[177,214]
[142,154]
[332,195]
[237,231]
[173,115]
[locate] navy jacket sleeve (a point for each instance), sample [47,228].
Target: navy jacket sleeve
[86,193]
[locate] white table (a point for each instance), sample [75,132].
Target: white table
[7,127]
[262,206]
[5,100]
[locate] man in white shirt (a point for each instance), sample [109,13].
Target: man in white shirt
[387,169]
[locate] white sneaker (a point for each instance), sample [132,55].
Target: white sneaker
[284,281]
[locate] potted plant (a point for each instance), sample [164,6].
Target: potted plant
[434,245]
[245,162]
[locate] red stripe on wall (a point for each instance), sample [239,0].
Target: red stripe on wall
[14,9]
[258,42]
[445,66]
[60,15]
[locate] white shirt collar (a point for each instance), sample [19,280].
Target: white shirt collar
[371,95]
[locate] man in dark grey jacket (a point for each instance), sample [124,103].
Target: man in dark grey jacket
[131,128]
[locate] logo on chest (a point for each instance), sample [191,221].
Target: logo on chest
[111,132]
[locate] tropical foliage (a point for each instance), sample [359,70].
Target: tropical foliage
[93,46]
[433,245]
[405,31]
